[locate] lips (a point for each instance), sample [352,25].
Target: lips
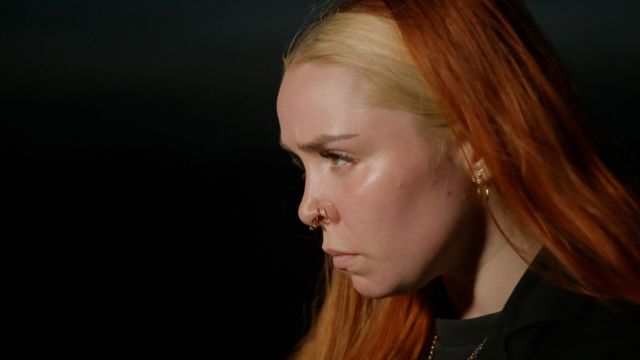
[341,260]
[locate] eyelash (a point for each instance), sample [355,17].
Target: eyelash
[337,156]
[334,156]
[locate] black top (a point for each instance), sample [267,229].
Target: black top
[543,321]
[458,338]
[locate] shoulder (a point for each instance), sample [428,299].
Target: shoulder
[542,321]
[594,330]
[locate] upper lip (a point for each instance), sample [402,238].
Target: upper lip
[334,252]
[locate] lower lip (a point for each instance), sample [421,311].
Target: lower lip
[343,261]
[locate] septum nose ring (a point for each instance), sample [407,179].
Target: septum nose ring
[320,219]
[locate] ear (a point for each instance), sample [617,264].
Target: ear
[474,162]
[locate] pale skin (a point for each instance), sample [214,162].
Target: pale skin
[399,213]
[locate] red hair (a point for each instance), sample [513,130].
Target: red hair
[500,87]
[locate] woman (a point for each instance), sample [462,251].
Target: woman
[463,211]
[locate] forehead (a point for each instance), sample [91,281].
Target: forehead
[316,82]
[317,100]
[320,98]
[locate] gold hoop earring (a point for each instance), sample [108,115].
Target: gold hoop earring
[481,184]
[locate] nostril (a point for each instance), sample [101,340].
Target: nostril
[329,211]
[315,223]
[320,220]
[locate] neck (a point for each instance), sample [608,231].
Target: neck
[485,286]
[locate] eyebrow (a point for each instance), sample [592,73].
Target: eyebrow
[320,142]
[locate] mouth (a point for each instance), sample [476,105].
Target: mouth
[341,260]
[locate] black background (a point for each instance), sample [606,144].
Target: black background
[147,205]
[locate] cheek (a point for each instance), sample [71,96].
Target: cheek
[367,195]
[420,206]
[380,201]
[400,199]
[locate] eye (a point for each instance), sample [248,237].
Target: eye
[338,158]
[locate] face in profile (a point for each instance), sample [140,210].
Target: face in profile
[396,201]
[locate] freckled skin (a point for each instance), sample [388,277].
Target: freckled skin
[402,207]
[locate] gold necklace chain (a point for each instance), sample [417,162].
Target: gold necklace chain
[473,355]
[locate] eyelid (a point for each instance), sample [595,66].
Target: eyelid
[335,155]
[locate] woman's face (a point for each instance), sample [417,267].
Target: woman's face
[397,206]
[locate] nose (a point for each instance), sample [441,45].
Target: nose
[315,208]
[308,208]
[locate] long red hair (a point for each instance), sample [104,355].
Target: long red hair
[500,87]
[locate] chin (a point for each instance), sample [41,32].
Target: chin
[374,290]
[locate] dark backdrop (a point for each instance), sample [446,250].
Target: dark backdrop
[147,205]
